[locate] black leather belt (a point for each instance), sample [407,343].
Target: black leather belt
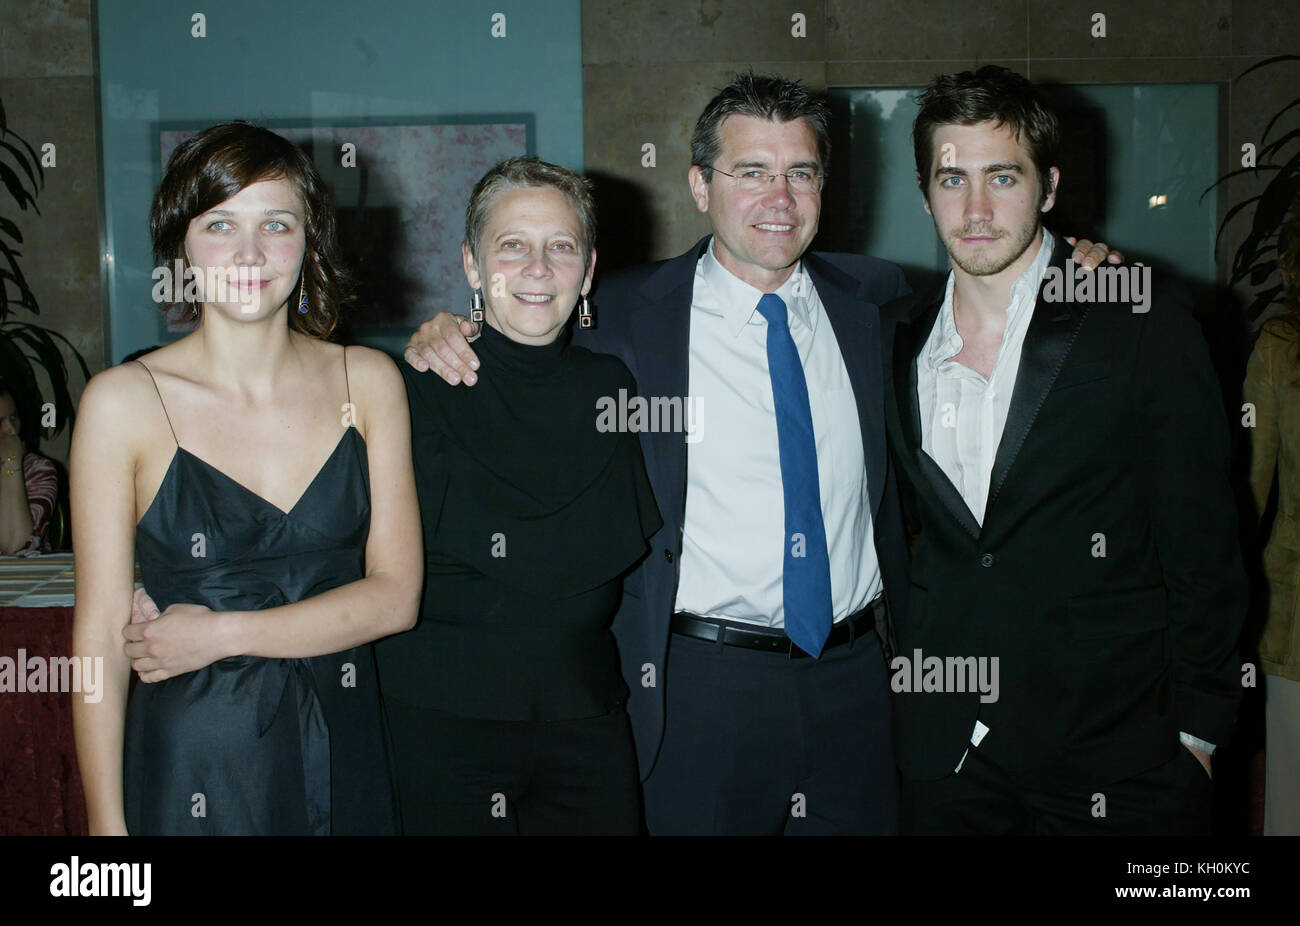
[770,639]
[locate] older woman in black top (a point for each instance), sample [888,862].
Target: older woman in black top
[506,701]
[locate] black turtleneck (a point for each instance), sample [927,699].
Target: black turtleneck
[531,517]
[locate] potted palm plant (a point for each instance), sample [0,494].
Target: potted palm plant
[1277,159]
[25,346]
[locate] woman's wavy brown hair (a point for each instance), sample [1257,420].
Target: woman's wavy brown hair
[213,165]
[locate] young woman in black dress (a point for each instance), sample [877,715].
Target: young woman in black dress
[262,477]
[507,701]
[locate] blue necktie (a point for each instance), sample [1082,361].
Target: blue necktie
[807,580]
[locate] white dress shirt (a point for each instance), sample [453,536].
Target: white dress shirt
[733,543]
[962,413]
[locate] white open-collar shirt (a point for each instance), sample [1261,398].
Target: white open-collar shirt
[963,414]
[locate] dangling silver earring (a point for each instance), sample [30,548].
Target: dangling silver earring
[476,307]
[193,310]
[302,296]
[585,317]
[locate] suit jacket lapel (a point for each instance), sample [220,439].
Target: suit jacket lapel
[856,323]
[1051,333]
[909,340]
[661,329]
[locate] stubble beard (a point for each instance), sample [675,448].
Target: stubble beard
[985,264]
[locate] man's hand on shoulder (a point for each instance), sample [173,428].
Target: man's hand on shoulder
[442,345]
[1091,256]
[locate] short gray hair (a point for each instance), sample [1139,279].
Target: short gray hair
[526,172]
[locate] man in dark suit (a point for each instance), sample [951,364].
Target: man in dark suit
[778,510]
[783,537]
[1068,660]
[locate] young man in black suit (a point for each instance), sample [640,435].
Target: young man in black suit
[1068,661]
[737,732]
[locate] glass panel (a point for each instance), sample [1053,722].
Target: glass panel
[1135,160]
[379,63]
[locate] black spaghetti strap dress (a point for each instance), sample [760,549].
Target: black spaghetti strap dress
[247,745]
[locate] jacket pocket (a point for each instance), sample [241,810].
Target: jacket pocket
[1118,670]
[1112,614]
[1081,373]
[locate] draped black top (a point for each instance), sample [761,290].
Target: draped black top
[531,516]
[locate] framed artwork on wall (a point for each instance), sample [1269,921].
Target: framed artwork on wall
[399,192]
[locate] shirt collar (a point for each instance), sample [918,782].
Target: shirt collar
[737,302]
[1027,284]
[944,340]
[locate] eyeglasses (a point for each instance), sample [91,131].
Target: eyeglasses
[798,181]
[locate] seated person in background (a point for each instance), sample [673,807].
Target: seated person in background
[29,487]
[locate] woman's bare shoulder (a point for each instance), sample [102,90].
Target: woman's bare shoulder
[121,405]
[376,389]
[373,373]
[174,359]
[116,390]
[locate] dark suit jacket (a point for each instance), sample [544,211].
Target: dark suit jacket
[643,317]
[1116,434]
